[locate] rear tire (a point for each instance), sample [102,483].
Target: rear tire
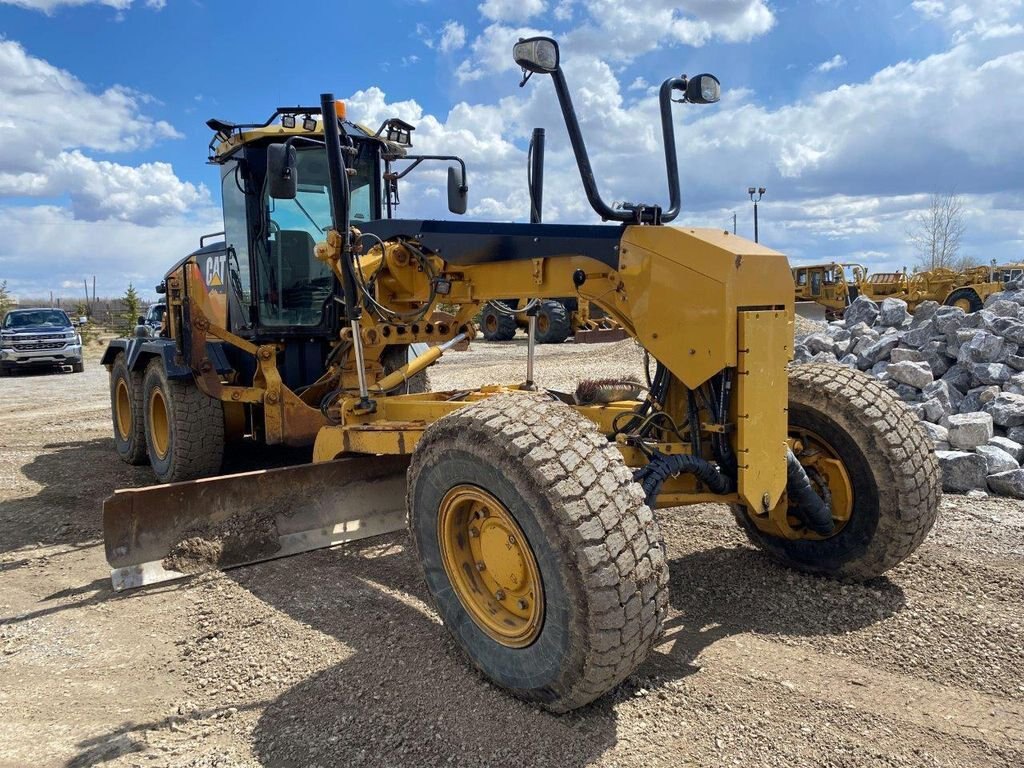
[894,476]
[966,298]
[126,407]
[184,427]
[592,542]
[497,325]
[553,325]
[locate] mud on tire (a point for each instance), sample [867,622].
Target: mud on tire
[194,436]
[893,471]
[599,550]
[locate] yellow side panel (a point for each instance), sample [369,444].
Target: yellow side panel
[765,341]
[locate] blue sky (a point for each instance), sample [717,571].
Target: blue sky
[850,113]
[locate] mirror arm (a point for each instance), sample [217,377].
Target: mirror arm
[669,136]
[579,149]
[420,158]
[338,171]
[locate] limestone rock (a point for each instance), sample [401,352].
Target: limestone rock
[969,430]
[1008,483]
[918,375]
[997,459]
[962,471]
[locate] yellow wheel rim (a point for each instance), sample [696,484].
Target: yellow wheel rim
[160,429]
[491,566]
[543,323]
[491,323]
[123,409]
[829,479]
[964,304]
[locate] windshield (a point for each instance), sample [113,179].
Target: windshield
[53,318]
[156,313]
[293,283]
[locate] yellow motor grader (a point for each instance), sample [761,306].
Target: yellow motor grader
[529,510]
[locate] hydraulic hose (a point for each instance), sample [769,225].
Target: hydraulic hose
[662,467]
[807,504]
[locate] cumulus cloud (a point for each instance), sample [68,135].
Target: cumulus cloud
[453,37]
[49,6]
[511,10]
[836,62]
[49,121]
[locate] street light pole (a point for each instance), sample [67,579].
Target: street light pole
[759,191]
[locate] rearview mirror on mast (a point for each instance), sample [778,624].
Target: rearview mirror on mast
[282,181]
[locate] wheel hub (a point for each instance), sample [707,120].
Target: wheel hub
[491,566]
[159,423]
[123,409]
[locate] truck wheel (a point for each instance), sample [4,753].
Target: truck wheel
[126,407]
[184,427]
[537,549]
[394,357]
[966,298]
[867,456]
[78,367]
[497,325]
[553,326]
[4,371]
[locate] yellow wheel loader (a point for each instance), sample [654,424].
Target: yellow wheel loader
[531,511]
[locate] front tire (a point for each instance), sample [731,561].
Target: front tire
[394,357]
[579,592]
[126,412]
[184,427]
[892,479]
[78,367]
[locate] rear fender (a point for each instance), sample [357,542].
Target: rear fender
[140,351]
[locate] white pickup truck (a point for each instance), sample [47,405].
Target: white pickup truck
[43,337]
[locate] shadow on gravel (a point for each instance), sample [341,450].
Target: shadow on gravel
[406,695]
[727,591]
[75,478]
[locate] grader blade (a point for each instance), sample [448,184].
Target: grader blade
[165,532]
[811,310]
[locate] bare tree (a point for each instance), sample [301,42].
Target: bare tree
[936,233]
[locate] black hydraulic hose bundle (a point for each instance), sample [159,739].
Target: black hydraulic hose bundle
[807,504]
[661,467]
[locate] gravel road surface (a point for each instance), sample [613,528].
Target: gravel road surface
[335,658]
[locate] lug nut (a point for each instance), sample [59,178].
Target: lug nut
[511,539]
[500,594]
[480,565]
[474,533]
[522,604]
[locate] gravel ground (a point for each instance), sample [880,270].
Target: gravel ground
[334,657]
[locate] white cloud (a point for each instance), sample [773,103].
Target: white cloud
[453,37]
[511,10]
[836,62]
[49,6]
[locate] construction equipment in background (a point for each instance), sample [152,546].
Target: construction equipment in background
[530,511]
[836,285]
[556,321]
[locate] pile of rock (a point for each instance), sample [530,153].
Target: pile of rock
[962,373]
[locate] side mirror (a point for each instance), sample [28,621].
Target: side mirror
[458,192]
[536,54]
[282,180]
[703,89]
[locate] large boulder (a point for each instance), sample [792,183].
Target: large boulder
[981,347]
[918,375]
[861,310]
[1007,410]
[925,311]
[934,353]
[819,342]
[1015,449]
[947,319]
[1016,434]
[969,430]
[1009,483]
[936,433]
[1002,307]
[892,313]
[945,393]
[962,471]
[879,350]
[901,355]
[857,330]
[991,373]
[920,335]
[959,376]
[976,399]
[1010,328]
[997,459]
